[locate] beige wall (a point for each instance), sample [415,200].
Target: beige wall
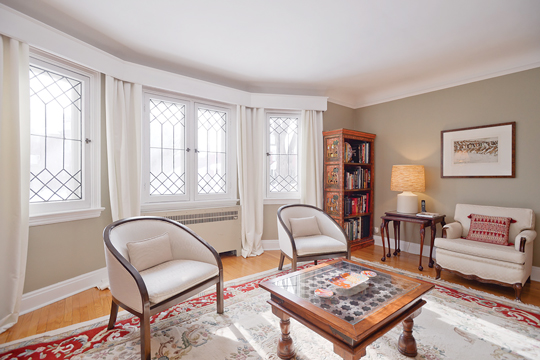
[62,251]
[409,130]
[335,117]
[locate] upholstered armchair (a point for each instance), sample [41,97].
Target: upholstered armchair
[307,233]
[481,259]
[154,263]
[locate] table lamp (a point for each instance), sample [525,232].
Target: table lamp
[408,178]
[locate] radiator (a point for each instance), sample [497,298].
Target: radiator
[220,227]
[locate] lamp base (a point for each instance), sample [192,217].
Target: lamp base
[407,202]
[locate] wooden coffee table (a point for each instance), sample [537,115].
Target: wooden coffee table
[350,318]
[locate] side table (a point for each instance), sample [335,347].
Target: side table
[397,218]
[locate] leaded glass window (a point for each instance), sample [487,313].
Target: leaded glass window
[282,154]
[212,151]
[167,148]
[56,137]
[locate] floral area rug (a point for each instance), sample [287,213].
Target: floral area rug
[456,323]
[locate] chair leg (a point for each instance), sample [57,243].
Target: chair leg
[112,317]
[517,288]
[219,294]
[438,269]
[315,262]
[145,336]
[293,266]
[281,259]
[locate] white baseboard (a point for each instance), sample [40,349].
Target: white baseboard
[53,293]
[270,244]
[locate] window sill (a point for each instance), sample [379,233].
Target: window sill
[171,206]
[53,218]
[280,201]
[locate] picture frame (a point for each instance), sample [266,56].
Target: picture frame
[479,152]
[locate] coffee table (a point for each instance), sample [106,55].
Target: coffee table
[350,318]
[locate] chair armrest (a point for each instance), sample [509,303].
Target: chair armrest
[452,230]
[126,283]
[524,237]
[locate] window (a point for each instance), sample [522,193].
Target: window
[64,140]
[188,153]
[282,156]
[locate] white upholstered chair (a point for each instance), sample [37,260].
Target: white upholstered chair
[307,233]
[154,263]
[486,262]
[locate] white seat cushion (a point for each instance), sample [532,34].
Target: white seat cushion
[483,250]
[318,244]
[173,277]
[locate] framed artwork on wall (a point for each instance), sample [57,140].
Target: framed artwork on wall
[479,152]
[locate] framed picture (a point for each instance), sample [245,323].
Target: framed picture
[479,152]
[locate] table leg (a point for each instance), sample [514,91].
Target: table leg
[422,235]
[406,342]
[397,236]
[285,349]
[433,231]
[387,238]
[383,246]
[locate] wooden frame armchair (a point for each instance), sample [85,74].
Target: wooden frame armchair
[328,239]
[191,265]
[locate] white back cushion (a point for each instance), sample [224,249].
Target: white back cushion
[307,226]
[147,253]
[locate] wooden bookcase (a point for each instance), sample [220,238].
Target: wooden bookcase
[349,177]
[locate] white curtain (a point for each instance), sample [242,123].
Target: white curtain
[311,158]
[123,103]
[14,176]
[250,153]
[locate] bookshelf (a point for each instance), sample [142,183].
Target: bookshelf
[349,174]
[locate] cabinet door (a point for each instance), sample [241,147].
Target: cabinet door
[333,204]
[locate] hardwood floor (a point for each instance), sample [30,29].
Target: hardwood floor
[94,303]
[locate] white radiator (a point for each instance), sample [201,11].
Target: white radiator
[220,227]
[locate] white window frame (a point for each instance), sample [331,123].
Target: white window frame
[191,199]
[90,205]
[280,197]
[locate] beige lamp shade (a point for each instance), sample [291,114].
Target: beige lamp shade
[408,178]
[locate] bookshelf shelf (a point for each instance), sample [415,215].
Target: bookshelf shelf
[349,162]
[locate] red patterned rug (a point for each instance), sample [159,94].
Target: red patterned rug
[455,323]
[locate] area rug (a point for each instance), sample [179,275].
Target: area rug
[456,323]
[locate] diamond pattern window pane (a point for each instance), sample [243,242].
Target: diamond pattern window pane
[167,148]
[212,151]
[283,150]
[55,137]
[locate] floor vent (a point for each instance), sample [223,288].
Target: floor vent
[189,219]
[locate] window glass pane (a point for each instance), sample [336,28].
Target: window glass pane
[212,151]
[283,150]
[55,137]
[167,147]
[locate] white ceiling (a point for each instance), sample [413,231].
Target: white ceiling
[355,52]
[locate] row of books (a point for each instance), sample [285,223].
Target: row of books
[359,179]
[363,153]
[357,228]
[356,205]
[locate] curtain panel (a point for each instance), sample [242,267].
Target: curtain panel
[123,103]
[14,176]
[311,158]
[250,153]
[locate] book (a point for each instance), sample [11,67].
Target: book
[428,214]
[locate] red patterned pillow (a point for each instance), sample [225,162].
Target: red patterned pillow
[489,229]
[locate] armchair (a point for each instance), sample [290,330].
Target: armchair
[487,262]
[307,233]
[154,263]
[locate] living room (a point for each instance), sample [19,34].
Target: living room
[67,257]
